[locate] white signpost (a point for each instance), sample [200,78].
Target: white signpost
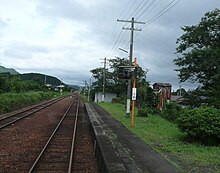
[134,91]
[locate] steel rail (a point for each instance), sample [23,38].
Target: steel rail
[73,139]
[52,135]
[32,107]
[13,121]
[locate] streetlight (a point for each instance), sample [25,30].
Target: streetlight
[123,50]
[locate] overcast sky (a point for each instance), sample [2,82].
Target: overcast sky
[67,38]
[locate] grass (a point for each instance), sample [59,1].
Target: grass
[166,138]
[13,101]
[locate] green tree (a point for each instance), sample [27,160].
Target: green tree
[195,98]
[179,92]
[145,94]
[13,83]
[198,54]
[112,83]
[98,75]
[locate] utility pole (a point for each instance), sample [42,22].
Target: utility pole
[132,29]
[89,89]
[103,78]
[180,90]
[85,89]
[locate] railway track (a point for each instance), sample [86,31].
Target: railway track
[57,153]
[9,119]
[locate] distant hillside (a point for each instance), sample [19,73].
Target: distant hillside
[74,86]
[41,78]
[8,70]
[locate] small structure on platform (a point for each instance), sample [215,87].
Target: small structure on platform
[108,97]
[60,87]
[163,90]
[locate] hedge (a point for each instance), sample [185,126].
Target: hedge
[201,125]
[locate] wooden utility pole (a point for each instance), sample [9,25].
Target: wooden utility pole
[130,58]
[103,83]
[85,90]
[89,89]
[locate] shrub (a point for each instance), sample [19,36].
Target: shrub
[201,125]
[143,113]
[154,111]
[116,100]
[13,101]
[171,111]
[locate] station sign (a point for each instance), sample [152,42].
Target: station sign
[134,93]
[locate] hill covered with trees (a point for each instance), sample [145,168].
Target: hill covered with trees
[41,78]
[8,70]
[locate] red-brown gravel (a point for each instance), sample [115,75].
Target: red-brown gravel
[19,143]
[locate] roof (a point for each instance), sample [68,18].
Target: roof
[175,98]
[60,86]
[163,84]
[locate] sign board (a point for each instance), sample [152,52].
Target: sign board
[126,72]
[134,93]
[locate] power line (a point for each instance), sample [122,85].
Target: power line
[120,36]
[161,13]
[149,10]
[145,9]
[158,15]
[136,9]
[142,8]
[111,39]
[127,4]
[130,8]
[136,13]
[118,40]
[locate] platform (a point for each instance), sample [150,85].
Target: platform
[119,151]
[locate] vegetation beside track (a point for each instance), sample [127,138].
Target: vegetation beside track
[18,91]
[13,101]
[166,138]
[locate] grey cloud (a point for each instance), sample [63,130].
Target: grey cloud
[74,10]
[19,49]
[98,18]
[59,8]
[154,47]
[2,23]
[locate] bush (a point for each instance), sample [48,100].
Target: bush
[13,101]
[154,111]
[171,111]
[143,113]
[201,125]
[116,100]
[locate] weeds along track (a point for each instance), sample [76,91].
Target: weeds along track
[11,118]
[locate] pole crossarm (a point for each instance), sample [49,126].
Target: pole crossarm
[129,21]
[131,29]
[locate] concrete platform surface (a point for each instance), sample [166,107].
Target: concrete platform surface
[119,151]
